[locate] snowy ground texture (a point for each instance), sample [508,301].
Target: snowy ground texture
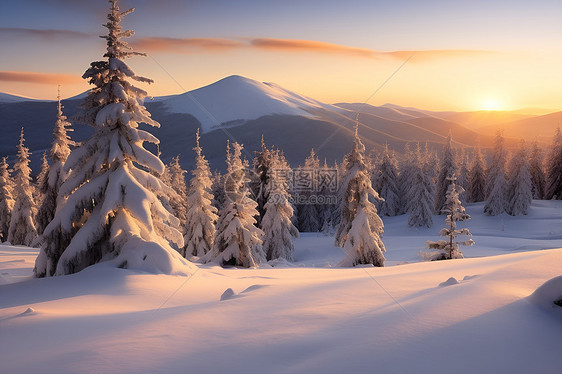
[307,317]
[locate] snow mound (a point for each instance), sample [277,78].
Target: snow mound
[247,100]
[228,294]
[449,282]
[549,295]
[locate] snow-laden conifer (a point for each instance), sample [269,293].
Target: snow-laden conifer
[360,229]
[22,229]
[554,168]
[462,175]
[279,231]
[387,185]
[448,167]
[305,185]
[175,178]
[110,206]
[538,178]
[421,193]
[217,190]
[477,178]
[237,241]
[262,165]
[55,173]
[407,168]
[6,198]
[449,248]
[496,184]
[201,214]
[520,188]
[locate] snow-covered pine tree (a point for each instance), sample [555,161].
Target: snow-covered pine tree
[41,178]
[477,178]
[387,185]
[554,169]
[406,167]
[111,210]
[176,180]
[308,217]
[217,190]
[237,241]
[279,231]
[6,198]
[496,184]
[449,248]
[421,193]
[360,229]
[55,173]
[520,188]
[462,175]
[448,167]
[201,214]
[22,229]
[262,165]
[538,178]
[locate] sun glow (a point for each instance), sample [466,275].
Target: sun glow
[492,104]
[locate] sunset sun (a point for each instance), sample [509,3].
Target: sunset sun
[492,104]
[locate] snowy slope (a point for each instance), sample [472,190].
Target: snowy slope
[302,318]
[236,98]
[6,98]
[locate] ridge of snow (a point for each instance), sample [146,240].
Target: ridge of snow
[10,98]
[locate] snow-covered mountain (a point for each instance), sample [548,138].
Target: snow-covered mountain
[242,109]
[236,99]
[6,98]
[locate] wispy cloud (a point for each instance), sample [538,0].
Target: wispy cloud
[38,78]
[191,45]
[184,45]
[45,33]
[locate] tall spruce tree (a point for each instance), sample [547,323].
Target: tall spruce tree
[111,210]
[360,229]
[237,240]
[201,214]
[306,180]
[279,231]
[554,169]
[496,184]
[55,173]
[448,167]
[477,178]
[449,248]
[6,198]
[174,176]
[22,229]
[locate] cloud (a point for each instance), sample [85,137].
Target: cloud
[184,45]
[38,78]
[295,45]
[50,34]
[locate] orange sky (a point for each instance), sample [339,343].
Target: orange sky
[460,57]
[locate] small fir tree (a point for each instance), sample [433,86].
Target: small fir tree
[22,229]
[447,168]
[237,241]
[496,183]
[449,248]
[538,178]
[262,165]
[308,215]
[421,193]
[201,214]
[55,174]
[387,185]
[477,178]
[279,231]
[520,189]
[360,229]
[554,169]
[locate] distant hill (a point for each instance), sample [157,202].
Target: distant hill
[540,128]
